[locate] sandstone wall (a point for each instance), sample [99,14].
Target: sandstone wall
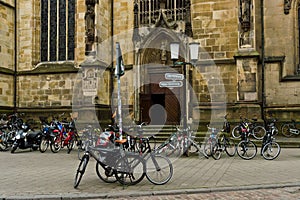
[51,90]
[281,30]
[215,26]
[7,39]
[6,90]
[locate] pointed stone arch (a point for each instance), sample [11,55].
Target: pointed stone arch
[155,61]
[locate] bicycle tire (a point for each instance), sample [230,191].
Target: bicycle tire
[259,132]
[130,169]
[216,151]
[55,146]
[246,149]
[70,144]
[208,146]
[43,146]
[159,169]
[105,173]
[236,132]
[230,147]
[3,144]
[81,169]
[285,129]
[80,150]
[271,150]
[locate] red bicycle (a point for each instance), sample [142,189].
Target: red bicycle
[67,136]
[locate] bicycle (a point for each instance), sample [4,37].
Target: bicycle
[126,167]
[223,143]
[289,129]
[181,142]
[66,136]
[270,148]
[210,141]
[87,136]
[257,131]
[10,125]
[49,133]
[159,169]
[246,149]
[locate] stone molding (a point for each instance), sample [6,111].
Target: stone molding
[51,68]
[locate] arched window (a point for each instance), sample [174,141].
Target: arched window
[149,10]
[57,30]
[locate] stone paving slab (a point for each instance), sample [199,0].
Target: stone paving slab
[33,175]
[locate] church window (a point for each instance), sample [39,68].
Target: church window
[57,30]
[149,10]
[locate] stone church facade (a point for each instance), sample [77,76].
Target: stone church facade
[59,56]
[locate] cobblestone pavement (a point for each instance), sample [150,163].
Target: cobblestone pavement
[290,193]
[33,175]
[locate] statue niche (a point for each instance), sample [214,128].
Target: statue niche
[89,26]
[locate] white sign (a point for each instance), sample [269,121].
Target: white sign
[170,84]
[174,76]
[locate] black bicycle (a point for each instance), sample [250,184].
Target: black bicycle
[270,148]
[117,165]
[254,129]
[159,169]
[246,149]
[223,144]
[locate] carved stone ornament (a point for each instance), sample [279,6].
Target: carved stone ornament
[188,25]
[89,25]
[287,6]
[245,14]
[162,21]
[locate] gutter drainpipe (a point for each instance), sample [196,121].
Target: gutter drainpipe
[15,59]
[112,54]
[263,61]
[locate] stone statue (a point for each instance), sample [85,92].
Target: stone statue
[90,26]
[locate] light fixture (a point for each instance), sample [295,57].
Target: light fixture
[174,48]
[194,50]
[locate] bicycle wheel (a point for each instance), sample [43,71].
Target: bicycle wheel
[216,151]
[159,169]
[3,143]
[285,130]
[259,132]
[246,149]
[230,147]
[70,144]
[56,144]
[130,169]
[81,169]
[81,149]
[271,151]
[208,146]
[105,173]
[236,132]
[43,145]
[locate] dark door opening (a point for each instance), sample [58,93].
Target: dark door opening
[157,110]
